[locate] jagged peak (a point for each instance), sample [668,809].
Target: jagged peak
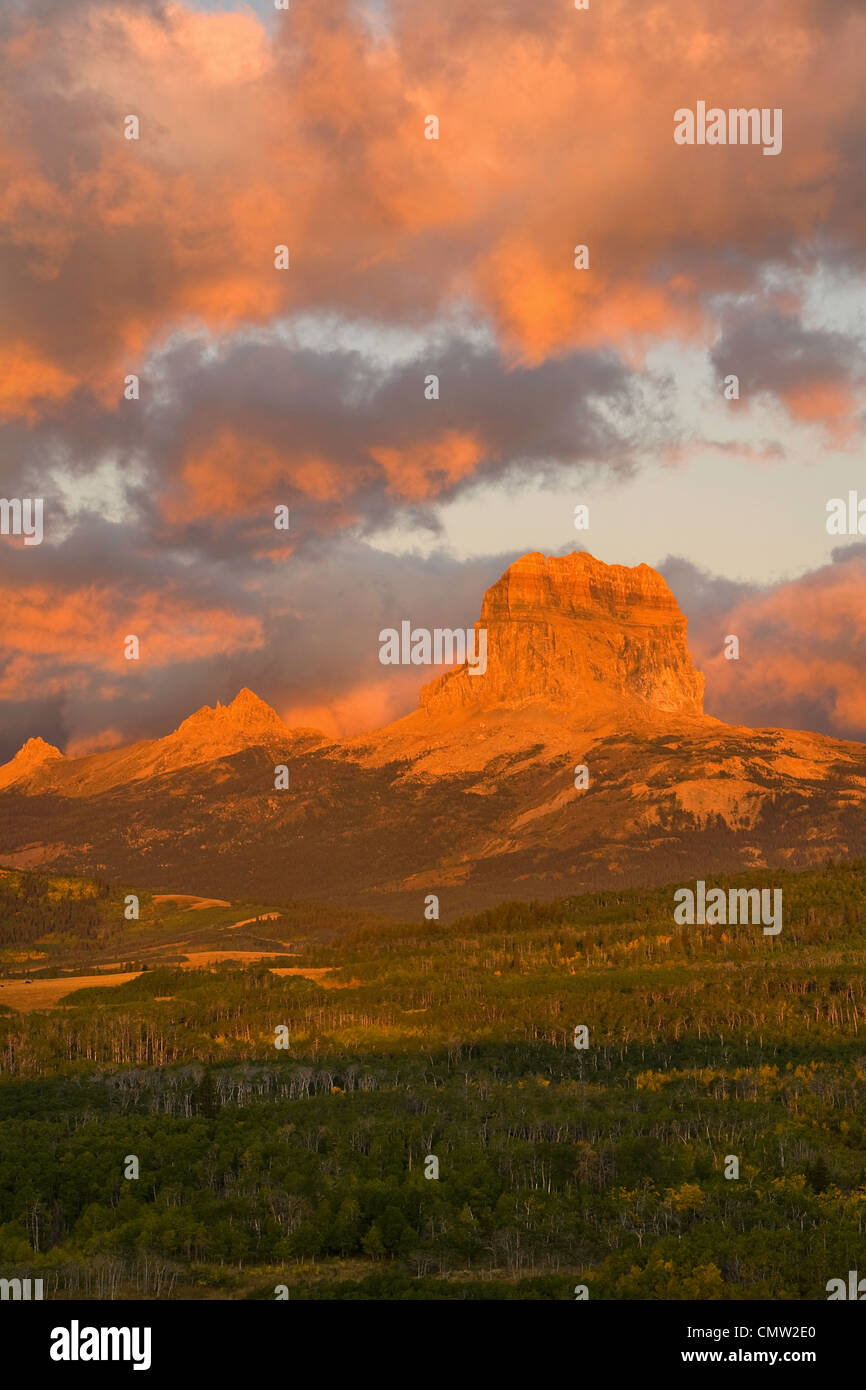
[245,709]
[36,750]
[248,700]
[31,756]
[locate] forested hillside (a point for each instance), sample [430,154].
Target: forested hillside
[558,1165]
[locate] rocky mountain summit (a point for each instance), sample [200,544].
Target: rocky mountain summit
[578,636]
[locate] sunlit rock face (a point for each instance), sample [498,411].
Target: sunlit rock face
[573,633]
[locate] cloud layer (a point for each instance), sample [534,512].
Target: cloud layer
[802,645]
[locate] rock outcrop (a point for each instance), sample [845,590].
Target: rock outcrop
[574,634]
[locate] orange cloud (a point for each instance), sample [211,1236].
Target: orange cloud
[555,129]
[833,404]
[422,470]
[94,743]
[802,654]
[231,474]
[47,633]
[28,381]
[363,707]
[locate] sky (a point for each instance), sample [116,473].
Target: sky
[409,257]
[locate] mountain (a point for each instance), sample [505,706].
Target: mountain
[208,736]
[572,645]
[472,796]
[28,762]
[577,635]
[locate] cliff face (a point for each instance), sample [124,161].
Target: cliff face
[573,633]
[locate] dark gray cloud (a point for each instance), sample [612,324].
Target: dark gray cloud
[294,405]
[210,547]
[704,598]
[772,352]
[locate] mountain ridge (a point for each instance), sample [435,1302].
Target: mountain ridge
[474,794]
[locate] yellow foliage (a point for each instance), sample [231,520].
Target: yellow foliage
[689,1197]
[650,1080]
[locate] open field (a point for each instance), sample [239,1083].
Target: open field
[48,994]
[189,901]
[26,995]
[312,973]
[196,959]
